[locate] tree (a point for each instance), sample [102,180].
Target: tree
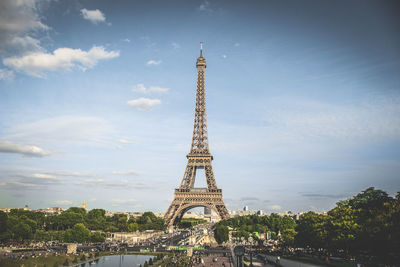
[3,222]
[97,237]
[287,237]
[221,233]
[79,233]
[22,231]
[343,228]
[69,218]
[311,230]
[133,227]
[96,219]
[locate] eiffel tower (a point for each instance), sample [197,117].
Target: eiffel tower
[187,196]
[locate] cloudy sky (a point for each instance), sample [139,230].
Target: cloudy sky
[97,101]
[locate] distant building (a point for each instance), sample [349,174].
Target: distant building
[207,211]
[243,212]
[83,206]
[51,211]
[246,208]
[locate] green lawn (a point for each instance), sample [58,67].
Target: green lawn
[48,261]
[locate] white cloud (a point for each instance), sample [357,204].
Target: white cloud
[144,104]
[17,20]
[65,130]
[135,173]
[153,62]
[140,88]
[27,150]
[69,174]
[121,184]
[127,142]
[313,120]
[92,199]
[43,176]
[236,44]
[17,184]
[95,16]
[127,40]
[224,56]
[26,44]
[274,207]
[205,7]
[6,74]
[63,202]
[175,45]
[64,59]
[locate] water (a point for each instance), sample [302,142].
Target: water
[120,261]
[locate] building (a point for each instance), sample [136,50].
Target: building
[132,237]
[83,206]
[51,211]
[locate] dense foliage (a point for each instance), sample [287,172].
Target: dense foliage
[190,222]
[221,233]
[72,225]
[365,226]
[246,226]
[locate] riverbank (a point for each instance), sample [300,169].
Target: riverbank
[60,260]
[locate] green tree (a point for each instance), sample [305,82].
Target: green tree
[22,231]
[311,229]
[3,222]
[79,233]
[69,218]
[133,227]
[97,237]
[287,237]
[221,233]
[96,219]
[343,228]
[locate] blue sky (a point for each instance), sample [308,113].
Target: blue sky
[97,101]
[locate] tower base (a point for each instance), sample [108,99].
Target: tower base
[186,199]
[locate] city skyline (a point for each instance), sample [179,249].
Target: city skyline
[303,101]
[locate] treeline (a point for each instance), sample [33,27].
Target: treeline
[190,222]
[366,226]
[21,224]
[248,226]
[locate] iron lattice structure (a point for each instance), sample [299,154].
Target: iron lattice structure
[187,196]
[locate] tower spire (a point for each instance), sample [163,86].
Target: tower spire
[201,49]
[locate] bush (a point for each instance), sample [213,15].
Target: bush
[66,262]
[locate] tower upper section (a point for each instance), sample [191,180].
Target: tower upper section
[200,135]
[201,61]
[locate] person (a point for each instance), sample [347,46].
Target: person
[278,259]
